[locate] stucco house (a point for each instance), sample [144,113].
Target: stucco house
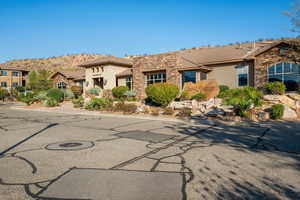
[66,79]
[238,65]
[106,73]
[11,77]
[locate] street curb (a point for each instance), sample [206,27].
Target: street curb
[94,113]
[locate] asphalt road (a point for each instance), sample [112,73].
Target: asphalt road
[65,156]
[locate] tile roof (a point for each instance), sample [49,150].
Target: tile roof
[9,67]
[75,75]
[127,72]
[108,60]
[222,54]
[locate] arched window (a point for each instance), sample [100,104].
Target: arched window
[61,85]
[288,73]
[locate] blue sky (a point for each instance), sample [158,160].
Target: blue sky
[45,28]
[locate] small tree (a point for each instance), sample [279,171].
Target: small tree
[3,93]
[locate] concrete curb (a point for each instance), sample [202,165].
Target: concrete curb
[95,113]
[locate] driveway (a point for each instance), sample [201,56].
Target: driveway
[67,156]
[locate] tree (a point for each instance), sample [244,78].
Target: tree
[33,80]
[43,80]
[39,80]
[294,16]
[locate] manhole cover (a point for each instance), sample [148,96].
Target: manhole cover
[70,145]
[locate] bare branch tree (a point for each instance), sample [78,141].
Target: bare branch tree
[294,16]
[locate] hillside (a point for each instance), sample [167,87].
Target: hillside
[67,62]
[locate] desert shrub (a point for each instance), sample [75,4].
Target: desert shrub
[27,98]
[77,90]
[130,93]
[184,112]
[93,91]
[168,111]
[162,93]
[199,97]
[125,108]
[51,102]
[68,94]
[119,92]
[184,96]
[78,103]
[56,94]
[98,104]
[243,99]
[107,94]
[208,87]
[277,111]
[276,87]
[222,91]
[41,96]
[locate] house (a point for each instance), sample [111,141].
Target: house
[237,65]
[66,79]
[11,76]
[106,73]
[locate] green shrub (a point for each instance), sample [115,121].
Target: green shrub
[277,111]
[98,104]
[93,91]
[199,97]
[125,108]
[41,96]
[162,93]
[51,102]
[56,94]
[27,98]
[119,92]
[276,87]
[184,112]
[223,91]
[77,90]
[243,99]
[68,94]
[78,103]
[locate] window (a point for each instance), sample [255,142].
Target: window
[3,73]
[61,85]
[15,84]
[15,73]
[188,76]
[242,73]
[129,82]
[288,73]
[3,84]
[159,77]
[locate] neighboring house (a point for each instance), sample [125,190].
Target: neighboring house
[106,72]
[238,65]
[246,64]
[11,77]
[66,79]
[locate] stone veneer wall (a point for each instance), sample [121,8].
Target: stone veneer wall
[266,59]
[152,63]
[60,78]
